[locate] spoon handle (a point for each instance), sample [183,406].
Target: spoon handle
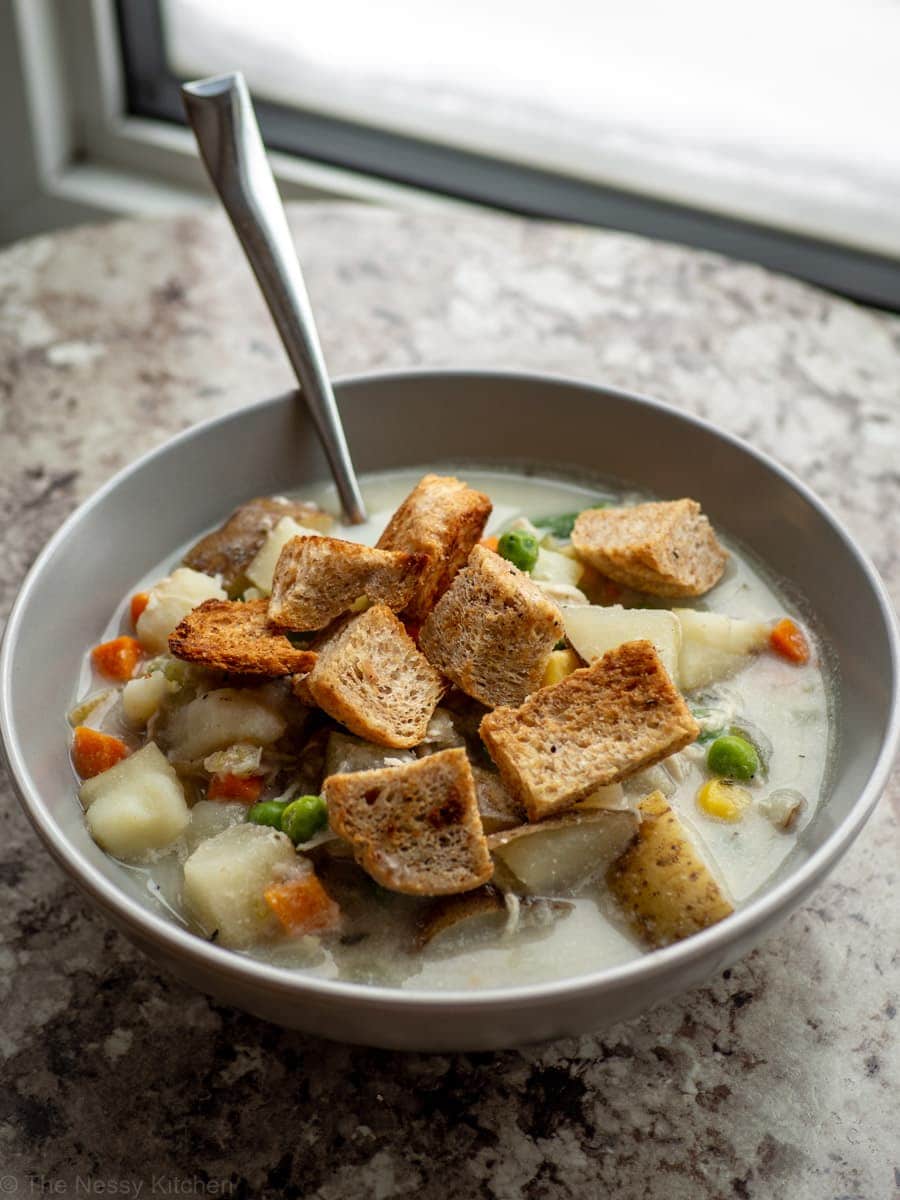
[221,115]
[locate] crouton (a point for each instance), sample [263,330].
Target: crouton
[598,726]
[228,635]
[415,828]
[661,882]
[370,677]
[320,578]
[493,631]
[227,551]
[664,548]
[442,518]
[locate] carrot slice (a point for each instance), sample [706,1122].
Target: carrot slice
[490,543]
[94,752]
[789,640]
[246,788]
[139,602]
[303,906]
[118,658]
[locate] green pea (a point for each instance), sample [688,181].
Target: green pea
[733,758]
[520,547]
[268,812]
[303,818]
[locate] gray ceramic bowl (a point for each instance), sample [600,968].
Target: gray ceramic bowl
[408,419]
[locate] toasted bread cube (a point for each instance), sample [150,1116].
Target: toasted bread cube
[600,725]
[229,550]
[320,578]
[415,828]
[665,548]
[493,631]
[443,518]
[370,676]
[661,882]
[231,635]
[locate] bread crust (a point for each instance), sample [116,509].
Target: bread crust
[370,676]
[663,548]
[598,726]
[231,635]
[318,579]
[443,518]
[416,828]
[493,631]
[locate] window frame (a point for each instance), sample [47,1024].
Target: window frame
[108,137]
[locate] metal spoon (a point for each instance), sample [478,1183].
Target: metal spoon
[221,115]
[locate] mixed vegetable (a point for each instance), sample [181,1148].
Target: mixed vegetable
[277,824]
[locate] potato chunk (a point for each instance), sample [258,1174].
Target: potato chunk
[219,719]
[170,602]
[226,877]
[593,629]
[261,570]
[136,806]
[141,697]
[662,883]
[714,646]
[564,854]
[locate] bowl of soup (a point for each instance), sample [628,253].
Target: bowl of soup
[595,697]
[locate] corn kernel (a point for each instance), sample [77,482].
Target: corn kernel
[722,799]
[360,605]
[560,664]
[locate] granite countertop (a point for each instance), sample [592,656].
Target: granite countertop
[778,1079]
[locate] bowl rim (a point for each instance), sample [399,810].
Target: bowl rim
[180,942]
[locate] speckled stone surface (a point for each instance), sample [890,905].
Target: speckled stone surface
[778,1079]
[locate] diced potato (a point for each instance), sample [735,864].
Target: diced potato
[714,646]
[141,697]
[553,567]
[136,806]
[226,878]
[470,916]
[662,883]
[564,854]
[611,796]
[170,601]
[212,817]
[262,566]
[594,629]
[221,718]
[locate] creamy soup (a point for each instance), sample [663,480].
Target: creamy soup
[739,792]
